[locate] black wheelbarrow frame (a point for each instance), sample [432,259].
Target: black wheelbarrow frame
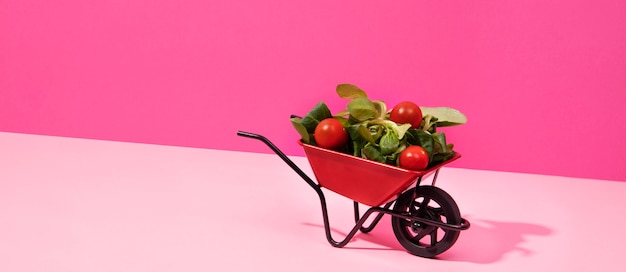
[413,218]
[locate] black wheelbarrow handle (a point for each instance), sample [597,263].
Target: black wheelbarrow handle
[360,221]
[282,156]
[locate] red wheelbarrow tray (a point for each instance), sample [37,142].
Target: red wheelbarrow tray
[365,181]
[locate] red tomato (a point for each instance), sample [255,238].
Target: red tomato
[414,157]
[330,134]
[406,112]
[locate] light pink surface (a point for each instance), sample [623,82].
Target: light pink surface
[85,205]
[542,82]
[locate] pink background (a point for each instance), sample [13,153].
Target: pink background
[542,82]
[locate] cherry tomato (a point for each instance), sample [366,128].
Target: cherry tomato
[414,157]
[406,112]
[330,134]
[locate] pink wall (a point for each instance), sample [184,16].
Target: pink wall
[542,82]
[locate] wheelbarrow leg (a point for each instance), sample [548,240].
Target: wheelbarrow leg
[357,227]
[369,228]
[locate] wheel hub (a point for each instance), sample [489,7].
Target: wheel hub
[417,226]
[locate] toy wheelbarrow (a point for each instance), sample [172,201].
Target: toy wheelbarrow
[425,219]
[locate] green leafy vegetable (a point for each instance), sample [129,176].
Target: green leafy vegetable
[301,129]
[362,109]
[445,116]
[389,142]
[349,91]
[315,116]
[373,153]
[373,136]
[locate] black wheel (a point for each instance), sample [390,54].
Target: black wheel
[431,203]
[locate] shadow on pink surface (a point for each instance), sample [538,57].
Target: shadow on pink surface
[486,241]
[382,235]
